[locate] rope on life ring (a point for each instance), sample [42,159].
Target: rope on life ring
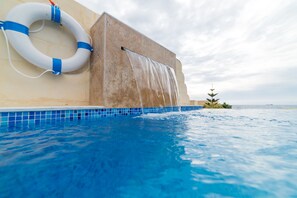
[16,27]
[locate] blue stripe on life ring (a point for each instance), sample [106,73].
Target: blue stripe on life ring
[57,66]
[9,25]
[56,14]
[52,13]
[84,46]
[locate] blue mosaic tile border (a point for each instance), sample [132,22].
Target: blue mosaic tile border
[33,118]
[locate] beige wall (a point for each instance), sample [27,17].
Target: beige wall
[184,98]
[112,81]
[49,90]
[198,102]
[74,88]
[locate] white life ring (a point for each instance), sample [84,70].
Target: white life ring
[17,24]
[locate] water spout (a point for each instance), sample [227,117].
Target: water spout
[155,82]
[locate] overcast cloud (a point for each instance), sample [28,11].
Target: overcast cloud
[246,48]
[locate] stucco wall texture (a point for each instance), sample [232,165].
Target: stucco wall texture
[91,85]
[68,89]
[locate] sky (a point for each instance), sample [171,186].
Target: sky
[246,48]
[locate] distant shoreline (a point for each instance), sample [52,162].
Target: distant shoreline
[270,106]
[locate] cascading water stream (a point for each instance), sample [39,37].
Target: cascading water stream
[156,83]
[176,89]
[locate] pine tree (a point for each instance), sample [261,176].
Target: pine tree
[212,102]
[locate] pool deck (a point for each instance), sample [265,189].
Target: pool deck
[52,108]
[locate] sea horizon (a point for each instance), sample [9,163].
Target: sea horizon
[267,106]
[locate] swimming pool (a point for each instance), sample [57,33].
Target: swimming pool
[205,153]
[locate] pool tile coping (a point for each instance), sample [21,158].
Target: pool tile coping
[23,117]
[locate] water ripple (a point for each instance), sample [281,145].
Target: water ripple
[207,153]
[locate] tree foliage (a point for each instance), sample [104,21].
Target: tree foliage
[213,103]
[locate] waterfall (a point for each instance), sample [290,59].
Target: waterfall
[156,83]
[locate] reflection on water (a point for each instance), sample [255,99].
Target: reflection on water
[207,153]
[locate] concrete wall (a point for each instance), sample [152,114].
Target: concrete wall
[49,90]
[198,102]
[184,98]
[112,82]
[110,78]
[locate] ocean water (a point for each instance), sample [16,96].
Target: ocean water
[206,153]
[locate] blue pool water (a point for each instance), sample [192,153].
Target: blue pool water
[206,153]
